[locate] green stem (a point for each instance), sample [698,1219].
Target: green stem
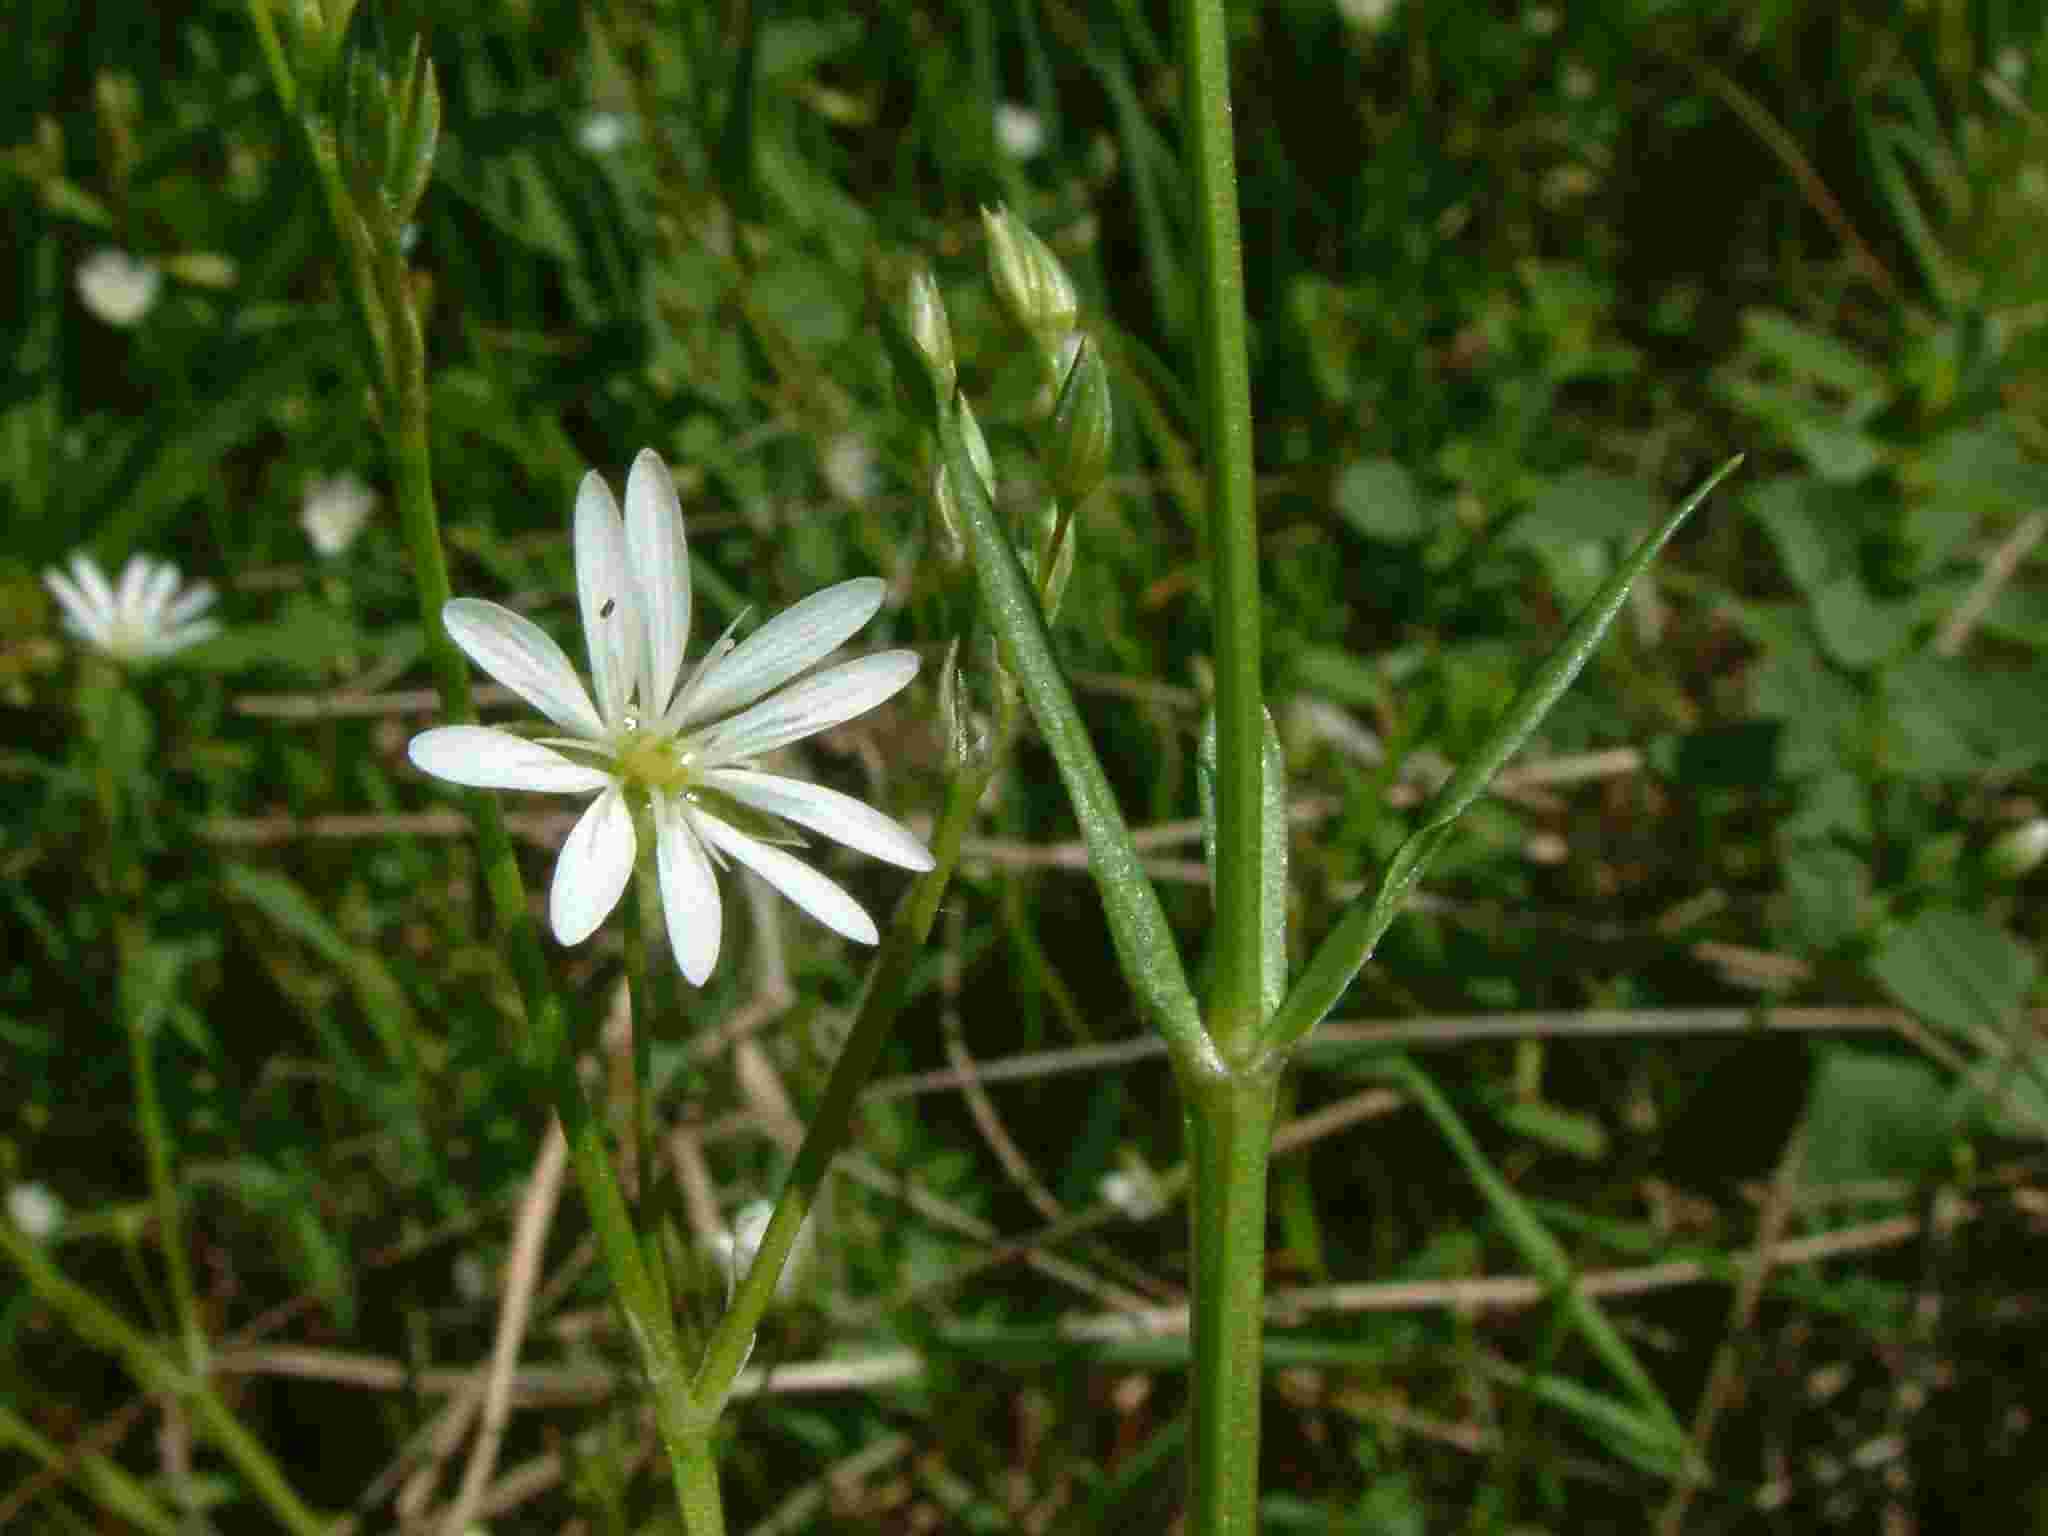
[358,286]
[100,1325]
[646,949]
[550,1054]
[1235,1009]
[1230,1128]
[1137,925]
[156,1141]
[833,1118]
[696,1475]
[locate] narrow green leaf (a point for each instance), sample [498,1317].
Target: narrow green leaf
[1539,1250]
[1350,944]
[1137,925]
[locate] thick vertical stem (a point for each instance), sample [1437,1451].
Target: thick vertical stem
[696,1478]
[1234,1012]
[1230,1130]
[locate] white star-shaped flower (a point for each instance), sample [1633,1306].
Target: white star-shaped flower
[686,753]
[142,618]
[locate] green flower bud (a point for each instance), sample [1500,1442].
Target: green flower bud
[931,332]
[1052,544]
[952,530]
[1077,454]
[389,130]
[1029,279]
[2018,851]
[313,32]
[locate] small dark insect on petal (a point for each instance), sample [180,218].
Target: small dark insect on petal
[609,604]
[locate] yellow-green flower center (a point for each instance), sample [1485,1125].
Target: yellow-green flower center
[653,761]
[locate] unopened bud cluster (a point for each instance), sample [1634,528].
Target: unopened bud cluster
[389,127]
[1040,297]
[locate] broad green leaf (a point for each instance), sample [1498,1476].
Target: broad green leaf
[1958,972]
[1949,718]
[1339,675]
[1835,452]
[1855,629]
[1825,887]
[1875,1115]
[1741,756]
[1815,527]
[1586,506]
[1380,499]
[1812,355]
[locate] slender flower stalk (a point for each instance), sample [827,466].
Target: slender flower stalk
[684,747]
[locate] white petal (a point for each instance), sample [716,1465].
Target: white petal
[484,758]
[839,817]
[167,641]
[805,708]
[93,583]
[786,644]
[161,588]
[609,599]
[798,881]
[134,582]
[193,601]
[684,703]
[86,621]
[689,891]
[661,565]
[595,865]
[522,656]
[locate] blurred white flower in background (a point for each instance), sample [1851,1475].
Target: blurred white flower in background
[334,512]
[1368,15]
[1133,1191]
[736,1247]
[678,751]
[35,1210]
[602,132]
[849,467]
[118,288]
[142,618]
[1019,130]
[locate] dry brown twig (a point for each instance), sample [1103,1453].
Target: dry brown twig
[522,1270]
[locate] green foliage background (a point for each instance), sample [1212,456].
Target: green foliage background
[1518,276]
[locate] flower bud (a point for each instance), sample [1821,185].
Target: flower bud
[1082,421]
[929,329]
[1052,543]
[312,32]
[1028,278]
[389,130]
[2018,851]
